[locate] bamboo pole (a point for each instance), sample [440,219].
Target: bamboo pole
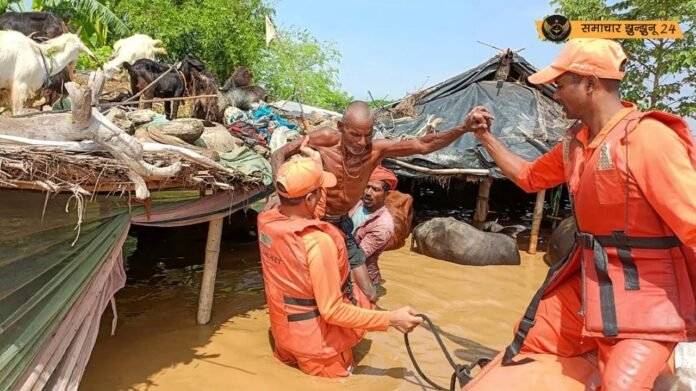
[212,253]
[482,202]
[536,222]
[114,104]
[441,171]
[155,100]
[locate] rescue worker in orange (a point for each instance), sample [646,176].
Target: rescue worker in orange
[350,154]
[316,316]
[627,289]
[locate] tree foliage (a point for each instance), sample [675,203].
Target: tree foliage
[379,103]
[298,67]
[661,73]
[222,33]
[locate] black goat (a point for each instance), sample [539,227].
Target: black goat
[172,85]
[201,82]
[38,25]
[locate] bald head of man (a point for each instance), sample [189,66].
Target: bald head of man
[356,128]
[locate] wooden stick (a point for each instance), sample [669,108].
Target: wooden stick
[91,146]
[536,222]
[212,253]
[114,104]
[96,82]
[482,202]
[155,100]
[136,96]
[441,171]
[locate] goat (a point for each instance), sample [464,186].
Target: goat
[205,83]
[26,66]
[239,92]
[201,82]
[129,50]
[241,77]
[243,98]
[41,26]
[172,85]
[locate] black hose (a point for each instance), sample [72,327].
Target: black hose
[461,372]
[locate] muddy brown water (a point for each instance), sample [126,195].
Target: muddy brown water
[158,345]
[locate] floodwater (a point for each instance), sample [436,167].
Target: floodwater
[158,345]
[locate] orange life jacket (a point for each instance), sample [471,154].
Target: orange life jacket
[296,323]
[639,281]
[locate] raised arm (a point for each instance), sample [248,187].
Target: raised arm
[324,137]
[545,172]
[478,119]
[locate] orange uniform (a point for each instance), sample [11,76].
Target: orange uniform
[314,319]
[627,289]
[626,286]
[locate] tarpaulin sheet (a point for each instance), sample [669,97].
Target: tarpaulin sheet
[56,279]
[42,274]
[527,120]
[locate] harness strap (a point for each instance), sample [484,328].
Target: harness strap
[47,79]
[300,302]
[624,244]
[610,327]
[304,316]
[528,320]
[183,79]
[346,288]
[619,239]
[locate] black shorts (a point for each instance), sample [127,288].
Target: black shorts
[356,255]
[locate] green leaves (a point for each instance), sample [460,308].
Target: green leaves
[102,54]
[222,33]
[298,67]
[225,34]
[660,73]
[100,13]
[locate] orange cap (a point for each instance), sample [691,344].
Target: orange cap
[302,176]
[603,58]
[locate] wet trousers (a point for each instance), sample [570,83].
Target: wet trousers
[340,365]
[622,364]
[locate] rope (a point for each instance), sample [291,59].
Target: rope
[47,79]
[461,372]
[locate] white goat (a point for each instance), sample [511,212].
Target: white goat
[130,50]
[25,66]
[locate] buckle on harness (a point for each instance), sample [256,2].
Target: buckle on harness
[620,238]
[525,325]
[527,322]
[585,239]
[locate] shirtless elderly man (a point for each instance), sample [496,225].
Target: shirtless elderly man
[351,155]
